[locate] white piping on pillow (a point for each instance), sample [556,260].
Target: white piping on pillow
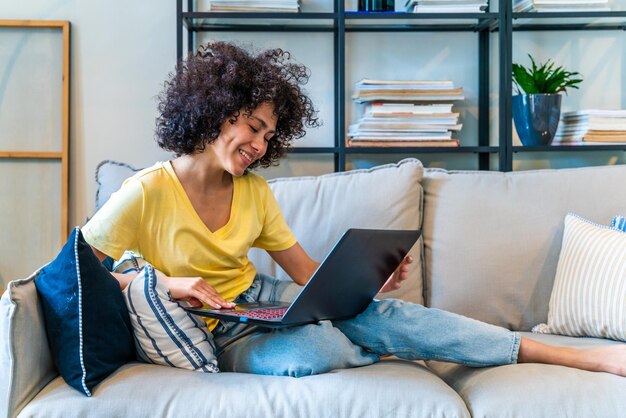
[80,314]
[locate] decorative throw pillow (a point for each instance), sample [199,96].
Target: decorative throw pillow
[589,293]
[85,315]
[110,175]
[619,222]
[165,333]
[129,263]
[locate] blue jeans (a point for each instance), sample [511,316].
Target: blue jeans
[388,326]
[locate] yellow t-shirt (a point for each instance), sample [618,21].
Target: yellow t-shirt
[152,215]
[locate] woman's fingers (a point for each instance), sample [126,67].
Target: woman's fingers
[209,295]
[196,289]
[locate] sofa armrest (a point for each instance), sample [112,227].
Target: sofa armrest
[25,360]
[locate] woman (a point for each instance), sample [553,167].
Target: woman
[194,219]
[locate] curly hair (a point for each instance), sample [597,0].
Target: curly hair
[219,81]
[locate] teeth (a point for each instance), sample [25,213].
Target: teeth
[245,154]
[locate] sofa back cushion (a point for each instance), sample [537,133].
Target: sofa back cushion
[25,358]
[320,209]
[492,240]
[110,175]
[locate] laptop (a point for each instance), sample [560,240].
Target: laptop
[342,286]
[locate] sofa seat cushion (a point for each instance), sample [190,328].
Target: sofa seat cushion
[390,388]
[538,390]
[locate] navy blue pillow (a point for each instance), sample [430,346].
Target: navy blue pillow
[85,315]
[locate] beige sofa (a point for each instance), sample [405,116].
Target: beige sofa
[490,248]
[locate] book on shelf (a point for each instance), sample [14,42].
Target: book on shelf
[444,83]
[592,125]
[355,143]
[605,136]
[403,127]
[445,6]
[408,92]
[522,6]
[409,98]
[435,119]
[399,136]
[289,6]
[584,143]
[370,90]
[406,109]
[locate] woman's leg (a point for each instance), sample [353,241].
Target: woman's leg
[298,351]
[611,359]
[414,332]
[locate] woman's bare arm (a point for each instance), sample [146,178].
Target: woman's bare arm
[296,262]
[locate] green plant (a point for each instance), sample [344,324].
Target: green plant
[543,79]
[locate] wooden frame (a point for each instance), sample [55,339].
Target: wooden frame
[63,156]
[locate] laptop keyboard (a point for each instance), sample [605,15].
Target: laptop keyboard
[270,313]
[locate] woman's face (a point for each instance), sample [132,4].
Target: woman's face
[245,141]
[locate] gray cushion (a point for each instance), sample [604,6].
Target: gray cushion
[320,209]
[538,390]
[392,388]
[25,358]
[492,240]
[110,175]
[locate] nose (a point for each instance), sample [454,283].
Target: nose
[259,145]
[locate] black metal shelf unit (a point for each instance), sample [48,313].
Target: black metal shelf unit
[339,22]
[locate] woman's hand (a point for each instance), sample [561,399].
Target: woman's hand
[397,277]
[194,290]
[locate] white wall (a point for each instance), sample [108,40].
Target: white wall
[122,52]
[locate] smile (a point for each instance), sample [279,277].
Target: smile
[247,156]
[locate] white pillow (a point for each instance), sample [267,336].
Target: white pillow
[589,294]
[165,333]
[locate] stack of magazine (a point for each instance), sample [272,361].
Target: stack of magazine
[591,127]
[445,6]
[288,6]
[520,6]
[405,114]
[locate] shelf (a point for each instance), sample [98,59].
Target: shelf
[340,23]
[569,21]
[561,148]
[258,22]
[323,22]
[420,150]
[419,22]
[313,150]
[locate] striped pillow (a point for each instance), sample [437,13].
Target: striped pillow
[129,263]
[589,293]
[619,222]
[165,333]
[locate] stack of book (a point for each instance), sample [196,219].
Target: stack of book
[591,127]
[445,6]
[520,6]
[289,6]
[405,114]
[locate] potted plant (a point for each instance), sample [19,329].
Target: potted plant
[537,105]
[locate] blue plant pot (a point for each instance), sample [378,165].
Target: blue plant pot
[536,117]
